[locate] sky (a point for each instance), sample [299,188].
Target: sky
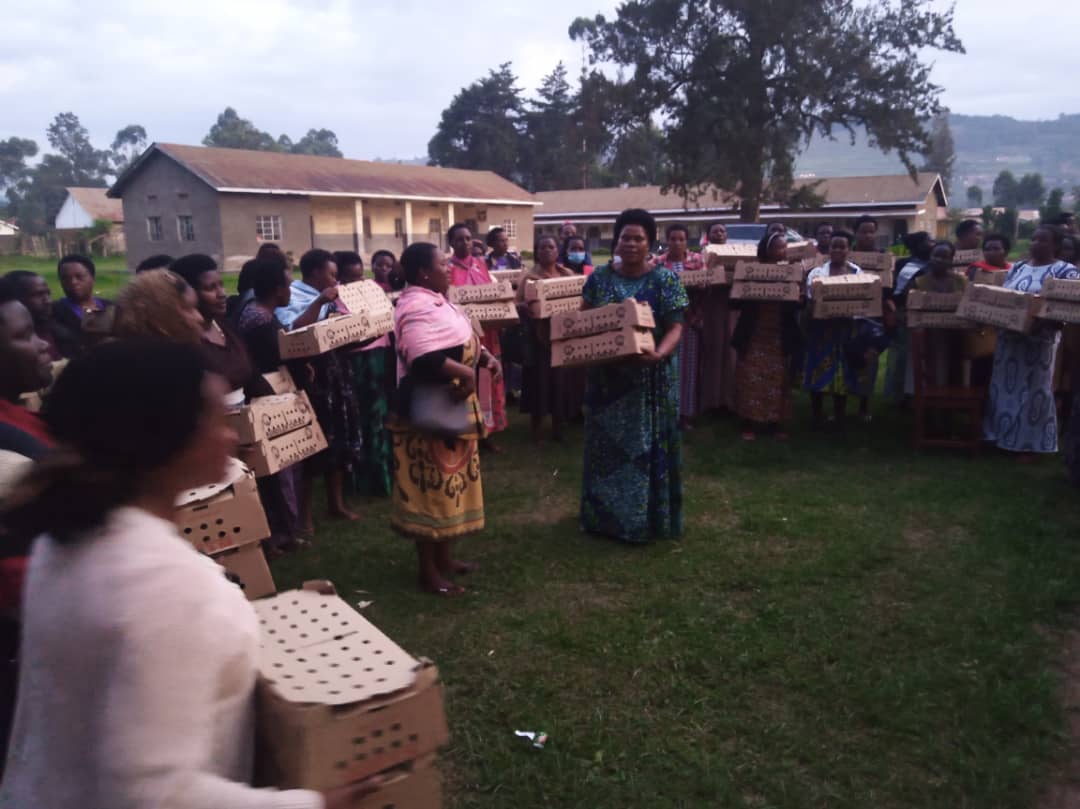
[379,73]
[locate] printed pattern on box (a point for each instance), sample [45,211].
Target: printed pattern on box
[994,306]
[873,261]
[365,296]
[783,292]
[270,416]
[611,317]
[934,301]
[554,306]
[965,258]
[715,275]
[988,278]
[274,454]
[998,297]
[1060,311]
[513,276]
[334,332]
[626,342]
[492,313]
[886,276]
[753,271]
[567,286]
[826,309]
[482,293]
[930,319]
[1060,289]
[223,515]
[847,287]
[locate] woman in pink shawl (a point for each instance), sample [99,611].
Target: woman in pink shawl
[468,270]
[437,493]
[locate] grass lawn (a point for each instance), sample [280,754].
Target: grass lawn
[846,624]
[112,273]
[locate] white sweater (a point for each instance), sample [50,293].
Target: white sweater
[136,680]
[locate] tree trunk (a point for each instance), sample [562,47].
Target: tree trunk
[750,190]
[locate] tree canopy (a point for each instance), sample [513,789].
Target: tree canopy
[230,131]
[740,85]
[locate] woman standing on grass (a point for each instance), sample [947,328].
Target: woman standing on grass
[766,338]
[829,369]
[632,476]
[717,357]
[677,259]
[1021,416]
[438,496]
[467,270]
[897,374]
[996,249]
[944,347]
[77,275]
[543,390]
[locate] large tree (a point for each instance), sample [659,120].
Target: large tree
[230,131]
[128,144]
[1030,191]
[941,156]
[1005,189]
[88,166]
[551,158]
[974,196]
[482,127]
[14,152]
[741,85]
[320,142]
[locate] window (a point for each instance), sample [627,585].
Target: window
[268,228]
[153,228]
[399,228]
[181,195]
[185,228]
[151,199]
[510,226]
[434,227]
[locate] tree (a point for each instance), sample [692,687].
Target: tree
[89,166]
[1054,207]
[230,131]
[639,158]
[974,196]
[942,153]
[549,160]
[481,129]
[1006,190]
[128,144]
[739,86]
[14,152]
[1030,191]
[320,142]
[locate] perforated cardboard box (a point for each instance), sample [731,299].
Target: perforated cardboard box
[995,306]
[826,309]
[280,381]
[482,293]
[933,301]
[850,287]
[965,258]
[988,277]
[611,317]
[416,785]
[1061,289]
[326,335]
[567,286]
[766,291]
[365,297]
[270,416]
[877,262]
[931,319]
[223,515]
[712,276]
[274,454]
[248,564]
[493,313]
[513,276]
[599,348]
[338,700]
[549,307]
[1059,311]
[756,271]
[728,255]
[998,297]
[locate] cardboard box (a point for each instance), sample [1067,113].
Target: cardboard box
[878,262]
[280,381]
[568,286]
[715,275]
[417,785]
[848,287]
[797,252]
[612,317]
[965,258]
[274,454]
[493,313]
[998,297]
[933,301]
[931,319]
[988,278]
[366,296]
[754,271]
[248,564]
[1058,289]
[626,342]
[482,293]
[513,276]
[728,255]
[994,306]
[827,309]
[777,292]
[338,700]
[1060,311]
[336,331]
[270,416]
[223,515]
[554,306]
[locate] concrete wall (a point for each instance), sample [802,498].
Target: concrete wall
[238,212]
[333,223]
[163,189]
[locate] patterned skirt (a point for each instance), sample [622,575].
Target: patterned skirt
[762,392]
[827,367]
[492,394]
[1021,415]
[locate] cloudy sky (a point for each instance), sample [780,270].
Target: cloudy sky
[379,72]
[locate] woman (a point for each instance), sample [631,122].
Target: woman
[866,232]
[77,274]
[123,618]
[224,350]
[438,495]
[577,256]
[1068,250]
[632,475]
[1021,416]
[828,367]
[383,263]
[545,390]
[678,258]
[897,373]
[717,357]
[161,304]
[350,266]
[500,257]
[995,248]
[766,338]
[467,270]
[33,292]
[944,347]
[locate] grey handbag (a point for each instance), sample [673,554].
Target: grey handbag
[434,411]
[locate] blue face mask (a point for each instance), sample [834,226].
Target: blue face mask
[576,258]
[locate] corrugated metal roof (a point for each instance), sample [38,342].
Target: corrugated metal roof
[241,170]
[95,202]
[890,189]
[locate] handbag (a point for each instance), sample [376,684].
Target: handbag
[434,411]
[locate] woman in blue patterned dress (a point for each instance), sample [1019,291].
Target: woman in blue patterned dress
[1021,415]
[632,477]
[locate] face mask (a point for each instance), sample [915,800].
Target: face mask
[576,258]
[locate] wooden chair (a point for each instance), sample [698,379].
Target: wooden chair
[931,397]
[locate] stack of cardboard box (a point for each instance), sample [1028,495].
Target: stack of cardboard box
[339,702]
[935,310]
[963,259]
[371,315]
[513,276]
[277,431]
[725,257]
[1060,301]
[883,265]
[226,522]
[850,295]
[491,304]
[553,296]
[1006,309]
[611,332]
[777,283]
[710,276]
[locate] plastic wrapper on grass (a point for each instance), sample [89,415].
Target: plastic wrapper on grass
[538,738]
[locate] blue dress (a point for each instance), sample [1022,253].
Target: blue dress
[632,475]
[1021,415]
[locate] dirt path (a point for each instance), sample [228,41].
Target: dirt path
[1063,792]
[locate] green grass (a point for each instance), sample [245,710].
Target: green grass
[846,623]
[112,274]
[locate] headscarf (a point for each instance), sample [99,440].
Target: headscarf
[152,306]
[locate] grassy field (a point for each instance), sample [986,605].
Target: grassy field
[846,624]
[112,273]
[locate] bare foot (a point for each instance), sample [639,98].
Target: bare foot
[442,587]
[343,514]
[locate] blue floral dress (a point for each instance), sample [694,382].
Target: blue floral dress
[632,477]
[1021,415]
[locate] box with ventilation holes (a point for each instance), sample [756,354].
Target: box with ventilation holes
[223,515]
